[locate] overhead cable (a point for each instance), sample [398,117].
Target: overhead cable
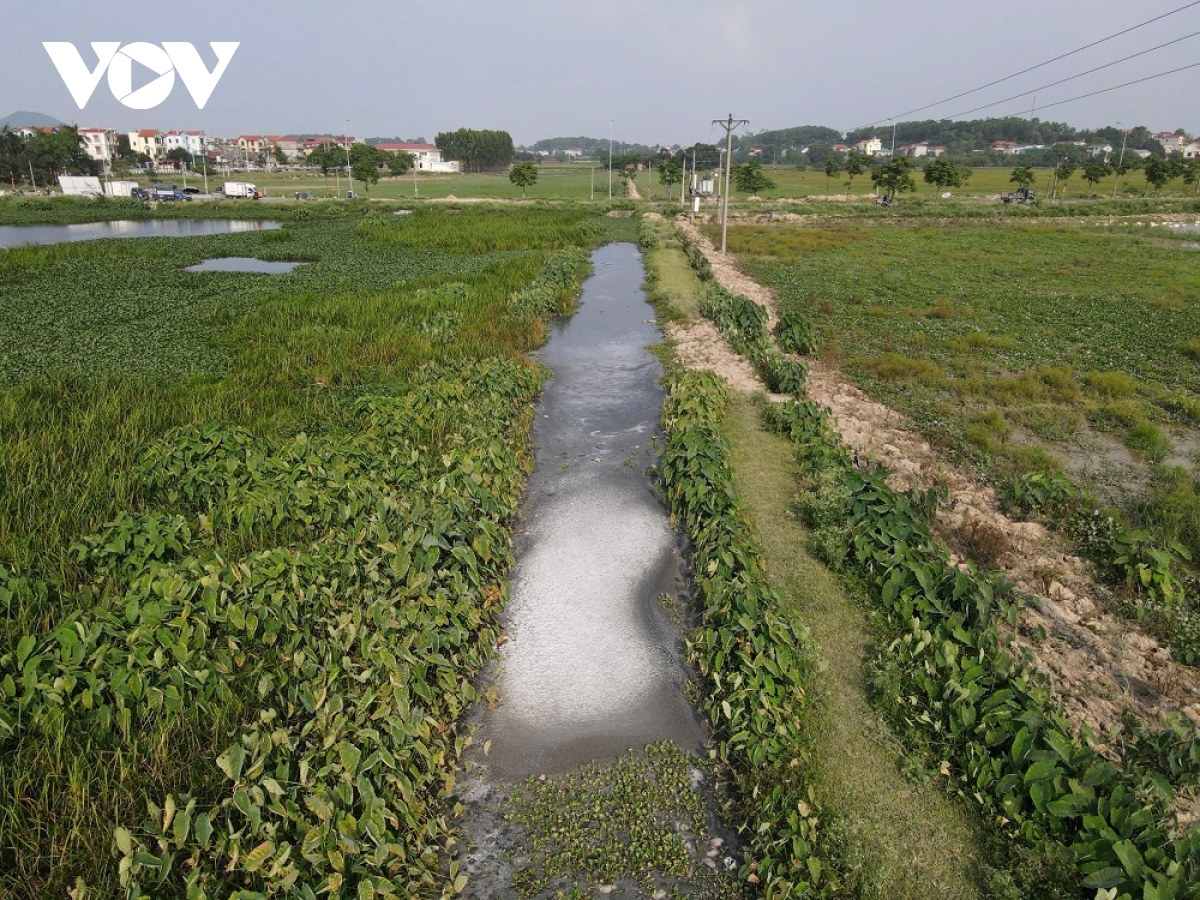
[1032,68]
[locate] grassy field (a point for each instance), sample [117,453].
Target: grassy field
[556,182]
[985,181]
[254,536]
[1023,350]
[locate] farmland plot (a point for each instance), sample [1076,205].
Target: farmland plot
[254,541]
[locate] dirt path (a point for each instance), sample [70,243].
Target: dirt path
[1102,667]
[904,840]
[631,189]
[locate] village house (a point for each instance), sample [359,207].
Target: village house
[190,141]
[1172,142]
[426,157]
[148,141]
[869,146]
[99,144]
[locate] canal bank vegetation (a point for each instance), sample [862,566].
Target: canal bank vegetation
[1062,816]
[255,544]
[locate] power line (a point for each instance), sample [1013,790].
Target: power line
[1073,77]
[1031,68]
[1119,86]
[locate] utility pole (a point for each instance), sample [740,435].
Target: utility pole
[610,132]
[1117,180]
[729,125]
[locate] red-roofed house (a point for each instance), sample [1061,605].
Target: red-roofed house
[148,141]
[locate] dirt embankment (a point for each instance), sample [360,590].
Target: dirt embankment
[1103,668]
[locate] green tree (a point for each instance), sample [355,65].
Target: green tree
[523,175]
[1022,176]
[894,177]
[946,173]
[1191,173]
[399,162]
[833,168]
[1157,172]
[856,164]
[751,179]
[1095,170]
[280,157]
[1065,170]
[478,151]
[179,155]
[670,171]
[365,162]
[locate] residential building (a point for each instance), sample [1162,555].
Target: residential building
[426,157]
[1005,146]
[869,146]
[1100,150]
[99,144]
[191,141]
[1191,150]
[1172,142]
[250,145]
[148,141]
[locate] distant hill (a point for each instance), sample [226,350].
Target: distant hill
[25,119]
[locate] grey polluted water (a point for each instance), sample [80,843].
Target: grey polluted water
[590,668]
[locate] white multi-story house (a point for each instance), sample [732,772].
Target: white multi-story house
[191,141]
[99,144]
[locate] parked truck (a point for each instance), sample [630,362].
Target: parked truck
[240,189]
[167,192]
[1021,195]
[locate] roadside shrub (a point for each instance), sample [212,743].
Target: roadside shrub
[795,332]
[1095,535]
[1052,496]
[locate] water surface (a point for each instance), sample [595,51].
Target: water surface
[243,264]
[16,235]
[591,668]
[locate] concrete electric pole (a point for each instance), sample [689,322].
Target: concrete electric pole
[729,125]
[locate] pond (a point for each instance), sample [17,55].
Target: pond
[17,235]
[243,264]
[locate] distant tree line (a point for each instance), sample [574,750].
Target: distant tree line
[478,151]
[45,155]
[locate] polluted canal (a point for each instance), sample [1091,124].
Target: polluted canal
[587,768]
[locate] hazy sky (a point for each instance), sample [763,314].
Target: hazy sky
[660,69]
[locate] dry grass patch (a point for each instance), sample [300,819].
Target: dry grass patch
[894,368]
